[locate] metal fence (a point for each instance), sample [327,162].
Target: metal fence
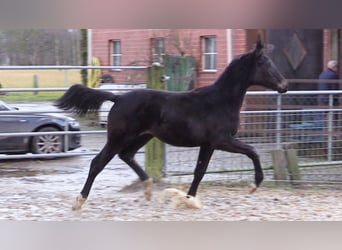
[65,133]
[315,132]
[271,121]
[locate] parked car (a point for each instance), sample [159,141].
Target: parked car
[36,122]
[119,89]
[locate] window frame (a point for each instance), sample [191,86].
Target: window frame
[158,52]
[211,54]
[116,54]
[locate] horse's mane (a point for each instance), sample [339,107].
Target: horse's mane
[238,71]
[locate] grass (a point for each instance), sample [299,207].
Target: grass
[46,79]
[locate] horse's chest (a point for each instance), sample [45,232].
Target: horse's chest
[223,124]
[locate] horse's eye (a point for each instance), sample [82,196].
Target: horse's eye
[260,62]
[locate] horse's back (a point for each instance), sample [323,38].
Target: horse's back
[135,111]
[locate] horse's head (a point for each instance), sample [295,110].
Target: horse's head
[266,73]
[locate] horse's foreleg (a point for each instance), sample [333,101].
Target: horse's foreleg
[188,200]
[235,146]
[127,155]
[201,167]
[96,166]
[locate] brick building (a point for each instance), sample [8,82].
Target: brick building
[213,49]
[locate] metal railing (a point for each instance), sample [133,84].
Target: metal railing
[65,132]
[272,121]
[268,121]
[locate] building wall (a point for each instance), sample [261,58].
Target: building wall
[137,50]
[326,48]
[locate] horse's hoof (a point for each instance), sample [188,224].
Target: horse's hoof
[78,202]
[180,199]
[252,188]
[148,184]
[193,202]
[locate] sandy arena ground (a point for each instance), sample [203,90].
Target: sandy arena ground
[45,190]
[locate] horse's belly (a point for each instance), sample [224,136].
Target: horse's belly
[180,142]
[180,136]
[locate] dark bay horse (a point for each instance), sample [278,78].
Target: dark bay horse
[206,117]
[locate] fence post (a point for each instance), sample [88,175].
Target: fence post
[66,78]
[2,93]
[330,126]
[36,83]
[155,149]
[278,122]
[279,165]
[292,166]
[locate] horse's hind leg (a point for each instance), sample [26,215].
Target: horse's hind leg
[235,146]
[96,166]
[127,155]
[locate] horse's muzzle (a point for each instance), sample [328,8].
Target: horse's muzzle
[283,86]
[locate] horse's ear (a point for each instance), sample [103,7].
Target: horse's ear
[259,46]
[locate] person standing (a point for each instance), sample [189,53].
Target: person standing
[329,74]
[323,99]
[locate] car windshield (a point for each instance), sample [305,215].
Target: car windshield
[5,107]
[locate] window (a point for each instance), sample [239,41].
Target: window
[158,49]
[209,53]
[116,53]
[2,107]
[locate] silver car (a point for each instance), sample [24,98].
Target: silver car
[117,89]
[35,122]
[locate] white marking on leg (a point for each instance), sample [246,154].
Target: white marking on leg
[193,202]
[252,188]
[148,185]
[180,199]
[78,202]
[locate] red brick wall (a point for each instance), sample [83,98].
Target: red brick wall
[239,41]
[136,49]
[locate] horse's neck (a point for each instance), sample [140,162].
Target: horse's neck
[233,92]
[233,84]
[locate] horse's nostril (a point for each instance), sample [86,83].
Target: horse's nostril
[283,86]
[281,91]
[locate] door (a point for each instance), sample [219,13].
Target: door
[182,72]
[12,124]
[299,55]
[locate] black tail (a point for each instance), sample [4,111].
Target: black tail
[81,100]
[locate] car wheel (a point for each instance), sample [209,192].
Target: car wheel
[47,144]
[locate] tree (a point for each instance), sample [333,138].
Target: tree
[84,55]
[40,47]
